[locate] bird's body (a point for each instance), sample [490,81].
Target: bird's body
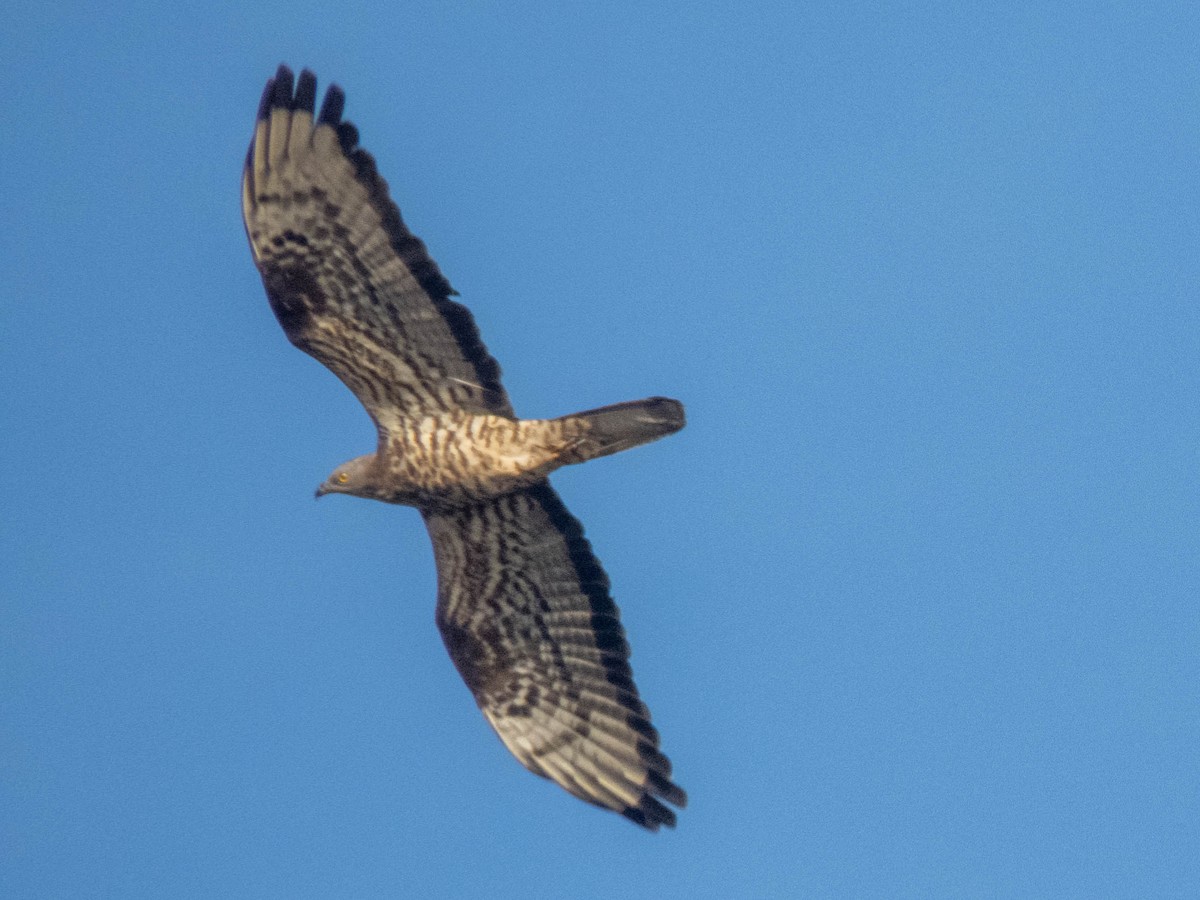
[459,458]
[456,459]
[523,604]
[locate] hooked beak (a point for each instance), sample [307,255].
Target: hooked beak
[321,492]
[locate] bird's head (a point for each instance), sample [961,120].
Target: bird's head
[356,477]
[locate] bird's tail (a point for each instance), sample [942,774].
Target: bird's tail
[611,429]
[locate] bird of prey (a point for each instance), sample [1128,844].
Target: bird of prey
[523,605]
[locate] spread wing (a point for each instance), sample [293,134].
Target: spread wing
[524,610]
[349,283]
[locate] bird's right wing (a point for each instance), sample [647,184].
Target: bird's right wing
[349,283]
[524,609]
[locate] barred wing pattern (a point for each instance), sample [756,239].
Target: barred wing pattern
[348,281]
[524,609]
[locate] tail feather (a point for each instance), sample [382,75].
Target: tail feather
[611,429]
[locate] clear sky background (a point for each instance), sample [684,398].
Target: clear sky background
[914,597]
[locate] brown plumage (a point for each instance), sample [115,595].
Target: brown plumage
[523,604]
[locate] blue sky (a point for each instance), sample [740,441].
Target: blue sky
[913,598]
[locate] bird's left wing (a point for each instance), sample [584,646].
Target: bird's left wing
[524,609]
[349,283]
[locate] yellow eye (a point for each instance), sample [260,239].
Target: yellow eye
[341,478]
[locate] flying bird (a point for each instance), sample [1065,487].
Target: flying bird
[523,604]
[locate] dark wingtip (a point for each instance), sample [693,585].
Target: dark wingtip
[667,789]
[347,137]
[306,92]
[650,814]
[264,104]
[281,96]
[332,106]
[285,91]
